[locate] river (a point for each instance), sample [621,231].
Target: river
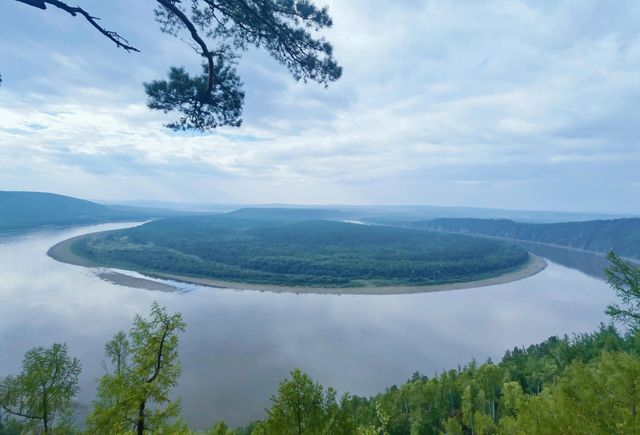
[240,344]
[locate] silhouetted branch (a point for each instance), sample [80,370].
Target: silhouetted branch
[169,5]
[21,414]
[74,11]
[215,97]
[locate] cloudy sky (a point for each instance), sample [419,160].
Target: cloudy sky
[504,104]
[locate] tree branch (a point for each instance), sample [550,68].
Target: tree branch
[35,3]
[74,11]
[168,4]
[20,414]
[159,355]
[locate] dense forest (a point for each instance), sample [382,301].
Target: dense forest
[618,235]
[583,384]
[304,253]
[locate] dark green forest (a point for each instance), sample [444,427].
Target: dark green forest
[621,236]
[306,253]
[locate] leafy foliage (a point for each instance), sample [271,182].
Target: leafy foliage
[587,384]
[10,426]
[134,396]
[598,397]
[220,428]
[624,278]
[42,392]
[303,407]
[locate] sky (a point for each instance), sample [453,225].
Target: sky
[501,104]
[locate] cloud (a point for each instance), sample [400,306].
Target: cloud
[503,103]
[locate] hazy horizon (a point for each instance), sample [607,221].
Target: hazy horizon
[363,205]
[192,205]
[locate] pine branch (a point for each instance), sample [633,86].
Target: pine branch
[77,10]
[169,5]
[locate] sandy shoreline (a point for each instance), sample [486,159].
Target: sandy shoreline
[125,280]
[62,252]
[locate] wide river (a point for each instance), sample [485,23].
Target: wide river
[240,344]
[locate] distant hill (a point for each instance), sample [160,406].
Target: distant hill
[24,210]
[389,214]
[393,215]
[619,235]
[286,214]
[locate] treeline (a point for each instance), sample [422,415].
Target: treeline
[585,384]
[132,396]
[309,253]
[564,385]
[621,236]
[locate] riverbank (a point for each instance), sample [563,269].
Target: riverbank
[533,266]
[62,252]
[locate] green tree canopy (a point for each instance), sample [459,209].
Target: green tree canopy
[302,406]
[134,396]
[221,30]
[624,278]
[43,391]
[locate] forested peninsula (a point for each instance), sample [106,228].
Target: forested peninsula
[292,251]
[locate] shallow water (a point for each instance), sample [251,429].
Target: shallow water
[240,344]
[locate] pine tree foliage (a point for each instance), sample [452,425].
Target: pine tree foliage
[219,31]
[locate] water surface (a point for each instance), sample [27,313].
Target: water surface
[240,344]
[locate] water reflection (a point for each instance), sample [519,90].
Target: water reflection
[586,262]
[240,344]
